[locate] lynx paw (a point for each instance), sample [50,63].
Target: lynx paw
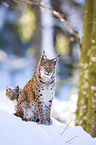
[49,122]
[46,122]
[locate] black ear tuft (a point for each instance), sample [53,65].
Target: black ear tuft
[43,56]
[59,55]
[43,52]
[17,88]
[55,60]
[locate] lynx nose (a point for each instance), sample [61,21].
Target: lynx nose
[49,70]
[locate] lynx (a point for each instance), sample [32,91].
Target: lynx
[35,99]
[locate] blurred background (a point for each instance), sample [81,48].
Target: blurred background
[27,30]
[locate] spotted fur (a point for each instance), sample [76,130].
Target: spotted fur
[35,100]
[13,93]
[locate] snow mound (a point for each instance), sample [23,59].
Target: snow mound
[14,131]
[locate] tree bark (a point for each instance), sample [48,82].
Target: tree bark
[82,104]
[37,34]
[91,119]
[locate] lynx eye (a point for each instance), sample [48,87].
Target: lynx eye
[45,66]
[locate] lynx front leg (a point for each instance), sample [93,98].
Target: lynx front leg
[45,115]
[48,113]
[42,116]
[41,111]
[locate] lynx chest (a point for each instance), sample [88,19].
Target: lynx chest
[47,94]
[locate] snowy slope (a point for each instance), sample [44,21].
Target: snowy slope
[14,131]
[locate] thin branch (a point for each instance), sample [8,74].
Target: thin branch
[35,2]
[60,16]
[71,139]
[66,127]
[5,4]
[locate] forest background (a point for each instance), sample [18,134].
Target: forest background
[27,29]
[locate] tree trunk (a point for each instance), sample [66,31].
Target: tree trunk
[82,104]
[47,30]
[37,34]
[91,120]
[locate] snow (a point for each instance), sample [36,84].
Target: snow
[64,110]
[93,40]
[86,65]
[86,74]
[14,131]
[93,87]
[93,59]
[85,85]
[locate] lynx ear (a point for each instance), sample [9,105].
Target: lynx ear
[17,88]
[43,56]
[55,60]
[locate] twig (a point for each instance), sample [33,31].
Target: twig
[36,2]
[71,139]
[60,16]
[5,4]
[66,127]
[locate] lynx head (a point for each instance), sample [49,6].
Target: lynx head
[46,66]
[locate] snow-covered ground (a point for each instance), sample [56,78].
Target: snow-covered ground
[64,111]
[14,131]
